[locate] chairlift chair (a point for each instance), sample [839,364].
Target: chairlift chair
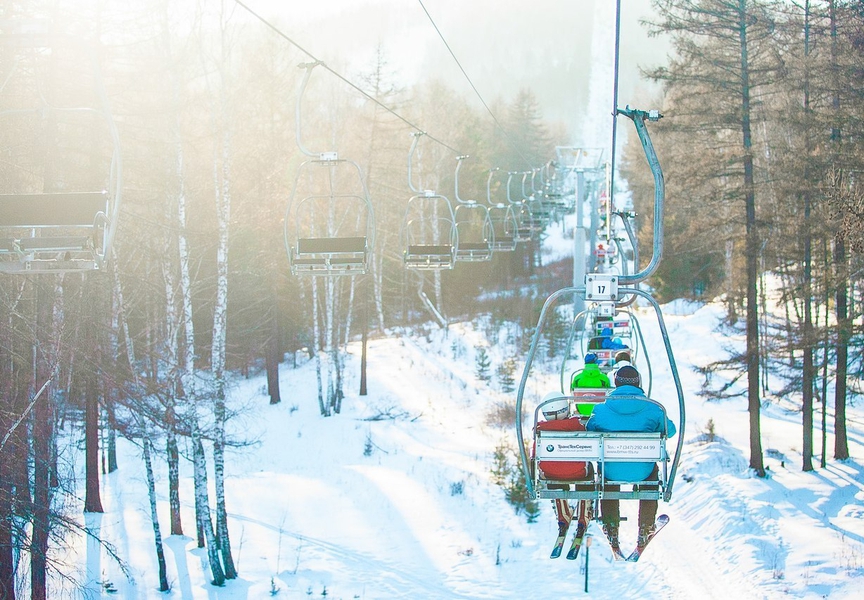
[504,224]
[540,376]
[607,292]
[329,225]
[526,225]
[59,197]
[429,233]
[429,236]
[473,226]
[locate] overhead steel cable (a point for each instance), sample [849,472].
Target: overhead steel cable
[473,87]
[615,102]
[324,65]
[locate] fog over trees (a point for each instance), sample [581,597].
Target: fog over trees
[759,144]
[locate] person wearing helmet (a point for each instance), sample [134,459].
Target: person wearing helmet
[590,376]
[627,408]
[556,411]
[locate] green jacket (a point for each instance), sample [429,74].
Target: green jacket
[590,377]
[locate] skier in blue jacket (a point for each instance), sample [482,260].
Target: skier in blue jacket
[627,408]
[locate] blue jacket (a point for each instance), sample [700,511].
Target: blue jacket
[628,414]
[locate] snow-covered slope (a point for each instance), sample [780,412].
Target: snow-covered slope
[393,498]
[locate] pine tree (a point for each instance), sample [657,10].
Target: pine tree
[482,363]
[506,378]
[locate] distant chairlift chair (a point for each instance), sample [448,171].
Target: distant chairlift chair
[55,216]
[329,224]
[473,226]
[429,235]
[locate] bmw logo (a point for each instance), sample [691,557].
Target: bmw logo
[550,448]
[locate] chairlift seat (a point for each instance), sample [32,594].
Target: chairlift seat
[473,251]
[429,257]
[330,256]
[53,232]
[600,447]
[504,243]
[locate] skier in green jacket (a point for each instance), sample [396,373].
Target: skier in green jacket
[591,376]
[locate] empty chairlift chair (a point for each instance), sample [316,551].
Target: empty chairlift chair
[429,237]
[429,233]
[329,223]
[525,221]
[60,178]
[503,220]
[473,227]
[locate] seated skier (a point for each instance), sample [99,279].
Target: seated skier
[590,376]
[605,341]
[622,359]
[557,415]
[627,408]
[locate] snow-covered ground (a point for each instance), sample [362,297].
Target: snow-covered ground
[403,507]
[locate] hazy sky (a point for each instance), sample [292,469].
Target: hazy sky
[503,45]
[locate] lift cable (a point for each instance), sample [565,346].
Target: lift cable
[473,87]
[615,102]
[281,34]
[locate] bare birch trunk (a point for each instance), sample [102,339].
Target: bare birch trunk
[154,515]
[220,332]
[172,327]
[316,337]
[202,507]
[190,391]
[123,325]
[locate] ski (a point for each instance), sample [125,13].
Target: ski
[581,527]
[559,542]
[661,522]
[586,513]
[611,534]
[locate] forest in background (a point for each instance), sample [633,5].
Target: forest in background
[760,146]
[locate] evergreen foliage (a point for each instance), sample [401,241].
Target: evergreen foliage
[482,364]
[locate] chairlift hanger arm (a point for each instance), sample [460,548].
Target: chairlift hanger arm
[308,66]
[489,185]
[524,178]
[638,117]
[459,160]
[416,135]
